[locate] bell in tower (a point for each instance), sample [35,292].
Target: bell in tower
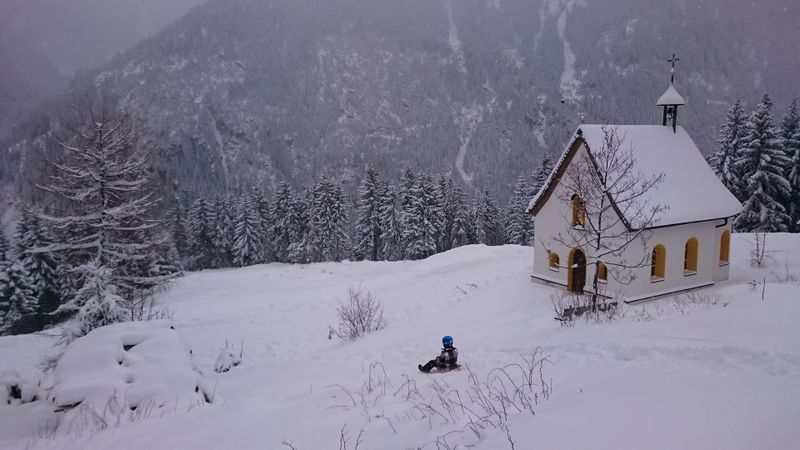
[670,100]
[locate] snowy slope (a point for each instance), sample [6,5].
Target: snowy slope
[667,375]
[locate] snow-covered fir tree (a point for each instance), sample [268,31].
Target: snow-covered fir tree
[488,220]
[328,236]
[519,224]
[443,194]
[368,225]
[282,222]
[105,230]
[248,238]
[790,132]
[764,165]
[462,232]
[262,207]
[301,244]
[723,161]
[17,300]
[405,192]
[421,222]
[178,231]
[201,226]
[42,269]
[435,206]
[96,303]
[541,174]
[391,239]
[4,269]
[223,232]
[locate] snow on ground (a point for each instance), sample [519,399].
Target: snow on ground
[722,372]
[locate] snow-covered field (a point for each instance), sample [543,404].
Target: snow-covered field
[721,371]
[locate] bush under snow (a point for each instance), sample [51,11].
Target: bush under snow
[15,389]
[362,313]
[130,365]
[228,358]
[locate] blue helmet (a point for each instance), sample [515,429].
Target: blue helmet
[447,341]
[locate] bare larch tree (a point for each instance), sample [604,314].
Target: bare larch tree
[611,210]
[105,235]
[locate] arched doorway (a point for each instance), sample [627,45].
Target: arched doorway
[576,277]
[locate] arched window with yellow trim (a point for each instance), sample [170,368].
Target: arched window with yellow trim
[690,256]
[578,212]
[602,272]
[725,247]
[657,263]
[552,260]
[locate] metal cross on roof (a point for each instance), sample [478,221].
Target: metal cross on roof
[672,60]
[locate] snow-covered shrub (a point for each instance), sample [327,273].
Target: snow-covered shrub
[569,306]
[131,367]
[15,389]
[362,313]
[228,358]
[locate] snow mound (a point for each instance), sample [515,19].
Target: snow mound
[15,389]
[131,363]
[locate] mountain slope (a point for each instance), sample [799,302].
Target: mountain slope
[243,92]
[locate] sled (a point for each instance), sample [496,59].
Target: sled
[445,370]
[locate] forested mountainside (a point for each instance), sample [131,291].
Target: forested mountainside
[250,92]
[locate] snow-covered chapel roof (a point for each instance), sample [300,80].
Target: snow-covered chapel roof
[690,190]
[670,97]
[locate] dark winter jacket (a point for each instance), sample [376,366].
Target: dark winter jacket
[448,357]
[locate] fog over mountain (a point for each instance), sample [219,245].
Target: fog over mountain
[250,92]
[44,42]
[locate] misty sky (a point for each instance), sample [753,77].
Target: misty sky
[75,34]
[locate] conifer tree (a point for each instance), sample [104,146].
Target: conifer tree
[764,164]
[421,221]
[103,181]
[519,226]
[368,227]
[178,231]
[405,192]
[540,175]
[5,303]
[462,232]
[201,221]
[539,179]
[488,220]
[731,138]
[282,222]
[328,237]
[17,301]
[41,268]
[96,303]
[223,232]
[391,239]
[248,240]
[301,245]
[790,132]
[444,197]
[264,214]
[434,205]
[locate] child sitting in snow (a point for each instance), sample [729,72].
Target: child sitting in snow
[447,360]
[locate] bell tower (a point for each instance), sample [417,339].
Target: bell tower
[670,100]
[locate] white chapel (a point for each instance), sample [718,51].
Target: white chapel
[669,234]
